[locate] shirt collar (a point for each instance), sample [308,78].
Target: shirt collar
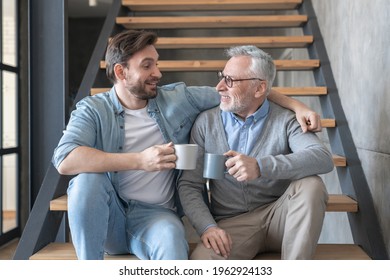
[261,113]
[115,101]
[152,104]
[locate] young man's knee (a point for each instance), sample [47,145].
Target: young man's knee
[171,231]
[90,183]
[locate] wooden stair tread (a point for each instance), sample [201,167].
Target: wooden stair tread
[225,42]
[293,91]
[341,203]
[215,65]
[210,5]
[328,252]
[302,91]
[169,22]
[65,251]
[336,203]
[328,123]
[339,161]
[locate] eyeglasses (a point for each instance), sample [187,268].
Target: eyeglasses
[229,80]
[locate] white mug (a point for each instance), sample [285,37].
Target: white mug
[187,155]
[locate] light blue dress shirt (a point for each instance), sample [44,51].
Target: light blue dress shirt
[243,134]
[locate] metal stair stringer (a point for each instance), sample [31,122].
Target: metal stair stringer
[43,225]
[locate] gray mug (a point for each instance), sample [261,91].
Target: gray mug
[214,166]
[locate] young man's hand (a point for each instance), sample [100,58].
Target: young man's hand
[158,157]
[309,120]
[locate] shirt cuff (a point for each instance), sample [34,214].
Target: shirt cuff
[209,226]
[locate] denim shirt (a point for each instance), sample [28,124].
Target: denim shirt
[98,120]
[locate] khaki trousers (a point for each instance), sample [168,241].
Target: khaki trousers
[291,225]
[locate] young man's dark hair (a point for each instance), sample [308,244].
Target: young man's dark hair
[122,47]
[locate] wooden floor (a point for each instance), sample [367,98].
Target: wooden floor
[7,251]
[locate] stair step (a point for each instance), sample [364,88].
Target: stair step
[244,21]
[336,203]
[328,123]
[210,5]
[328,252]
[302,91]
[216,65]
[339,161]
[65,251]
[225,42]
[341,203]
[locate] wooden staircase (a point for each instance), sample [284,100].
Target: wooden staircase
[174,15]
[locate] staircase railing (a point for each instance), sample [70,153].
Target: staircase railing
[365,227]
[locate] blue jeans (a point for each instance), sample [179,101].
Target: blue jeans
[101,222]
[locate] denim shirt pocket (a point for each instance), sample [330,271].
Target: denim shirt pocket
[181,131]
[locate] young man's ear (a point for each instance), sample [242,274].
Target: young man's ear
[119,72]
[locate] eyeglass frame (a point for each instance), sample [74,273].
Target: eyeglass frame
[229,80]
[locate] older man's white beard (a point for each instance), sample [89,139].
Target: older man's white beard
[234,108]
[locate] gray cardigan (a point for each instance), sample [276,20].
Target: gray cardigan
[283,151]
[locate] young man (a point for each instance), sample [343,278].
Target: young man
[269,200]
[120,146]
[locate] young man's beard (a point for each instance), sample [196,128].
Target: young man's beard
[139,90]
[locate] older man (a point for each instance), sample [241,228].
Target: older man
[270,199]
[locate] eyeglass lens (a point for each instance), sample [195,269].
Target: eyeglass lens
[228,80]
